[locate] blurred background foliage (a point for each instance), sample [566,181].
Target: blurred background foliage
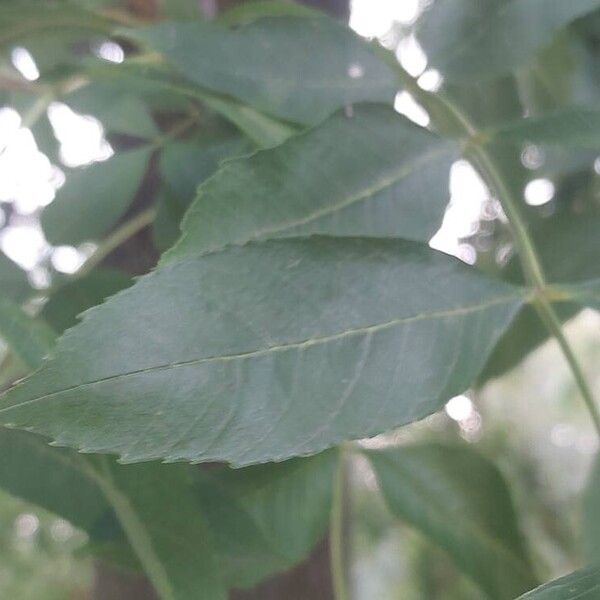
[530,422]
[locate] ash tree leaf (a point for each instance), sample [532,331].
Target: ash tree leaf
[591,518]
[268,351]
[74,297]
[579,585]
[158,511]
[94,198]
[460,501]
[119,112]
[575,127]
[374,174]
[183,166]
[30,339]
[266,518]
[299,86]
[470,40]
[13,280]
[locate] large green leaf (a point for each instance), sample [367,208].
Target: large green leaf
[94,197]
[468,40]
[461,502]
[374,173]
[579,585]
[268,351]
[30,339]
[320,65]
[266,518]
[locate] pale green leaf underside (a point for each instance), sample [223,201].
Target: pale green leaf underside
[579,585]
[374,174]
[460,501]
[268,351]
[470,40]
[294,68]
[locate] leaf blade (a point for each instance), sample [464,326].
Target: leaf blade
[249,340]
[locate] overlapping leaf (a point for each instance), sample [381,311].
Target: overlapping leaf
[268,351]
[579,585]
[299,86]
[468,40]
[93,198]
[374,173]
[461,502]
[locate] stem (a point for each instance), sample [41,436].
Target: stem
[532,267]
[336,533]
[134,530]
[116,238]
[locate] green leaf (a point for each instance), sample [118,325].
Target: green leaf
[469,40]
[567,244]
[591,517]
[274,350]
[579,585]
[243,14]
[155,505]
[241,63]
[20,20]
[266,518]
[158,511]
[94,198]
[53,478]
[374,173]
[13,280]
[461,502]
[74,297]
[578,127]
[119,112]
[30,339]
[183,166]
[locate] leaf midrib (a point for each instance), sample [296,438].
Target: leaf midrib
[281,347]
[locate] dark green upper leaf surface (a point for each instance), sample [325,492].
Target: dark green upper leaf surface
[94,198]
[266,518]
[249,11]
[374,173]
[468,40]
[461,502]
[268,351]
[579,585]
[297,69]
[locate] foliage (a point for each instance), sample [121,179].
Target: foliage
[291,303]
